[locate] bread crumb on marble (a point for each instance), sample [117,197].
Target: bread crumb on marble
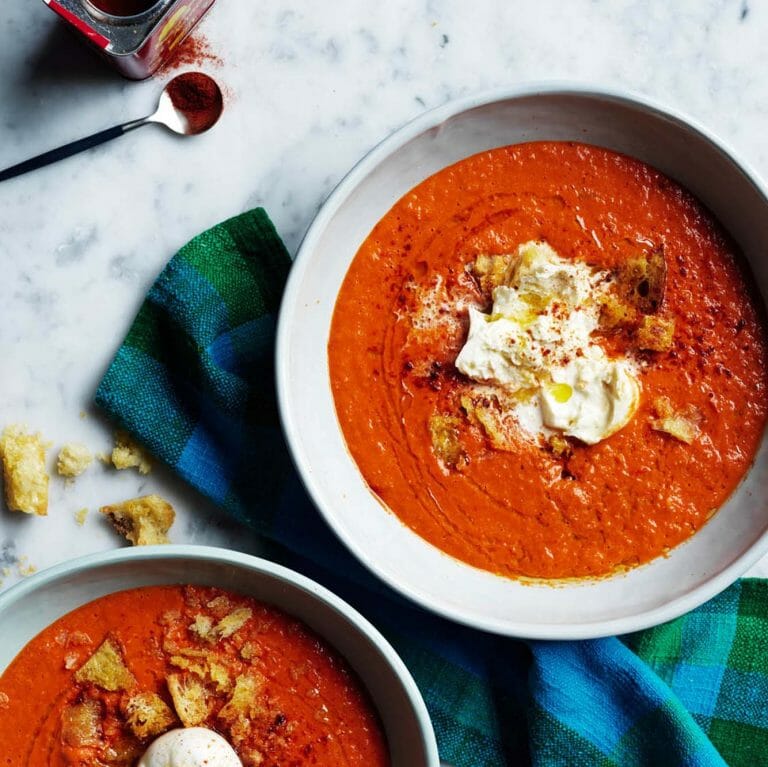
[142,521]
[127,454]
[24,567]
[24,472]
[74,458]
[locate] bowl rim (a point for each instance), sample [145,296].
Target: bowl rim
[394,141]
[282,574]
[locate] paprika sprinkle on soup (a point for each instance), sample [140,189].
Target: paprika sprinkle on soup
[198,98]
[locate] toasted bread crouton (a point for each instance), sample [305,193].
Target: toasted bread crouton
[245,701]
[490,272]
[615,312]
[655,333]
[142,521]
[189,664]
[446,439]
[26,479]
[220,676]
[220,606]
[106,668]
[252,757]
[74,458]
[123,751]
[148,715]
[81,725]
[202,626]
[190,698]
[233,622]
[559,446]
[128,455]
[682,425]
[250,650]
[486,413]
[643,280]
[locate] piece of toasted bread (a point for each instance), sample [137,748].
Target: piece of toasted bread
[245,701]
[490,271]
[106,668]
[148,715]
[190,698]
[74,458]
[127,454]
[143,521]
[233,622]
[81,724]
[683,425]
[655,333]
[446,439]
[26,479]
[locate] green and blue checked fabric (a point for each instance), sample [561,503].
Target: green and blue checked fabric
[193,381]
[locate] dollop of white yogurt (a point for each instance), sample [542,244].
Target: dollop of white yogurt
[190,747]
[537,341]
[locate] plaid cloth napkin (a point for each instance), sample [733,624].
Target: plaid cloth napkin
[193,381]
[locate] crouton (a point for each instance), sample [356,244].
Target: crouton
[490,272]
[202,626]
[446,442]
[123,751]
[244,703]
[559,446]
[233,622]
[220,676]
[643,280]
[683,425]
[81,725]
[250,650]
[106,668]
[484,412]
[615,312]
[128,455]
[26,479]
[220,606]
[655,333]
[188,664]
[148,715]
[74,458]
[190,698]
[142,521]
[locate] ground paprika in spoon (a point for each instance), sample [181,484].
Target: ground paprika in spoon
[198,97]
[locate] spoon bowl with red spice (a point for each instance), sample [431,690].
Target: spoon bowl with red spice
[190,104]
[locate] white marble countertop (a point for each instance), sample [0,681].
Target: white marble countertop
[311,88]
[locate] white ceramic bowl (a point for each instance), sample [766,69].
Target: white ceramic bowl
[657,592]
[35,603]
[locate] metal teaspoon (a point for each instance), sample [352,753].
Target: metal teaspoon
[166,114]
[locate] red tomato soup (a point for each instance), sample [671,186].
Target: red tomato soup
[446,454]
[100,684]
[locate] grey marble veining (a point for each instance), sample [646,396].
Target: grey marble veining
[310,88]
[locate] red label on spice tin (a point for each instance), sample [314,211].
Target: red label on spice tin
[135,36]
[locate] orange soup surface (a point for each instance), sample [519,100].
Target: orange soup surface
[442,452]
[95,688]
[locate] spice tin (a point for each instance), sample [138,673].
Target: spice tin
[135,43]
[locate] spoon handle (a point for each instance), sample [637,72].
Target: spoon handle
[65,151]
